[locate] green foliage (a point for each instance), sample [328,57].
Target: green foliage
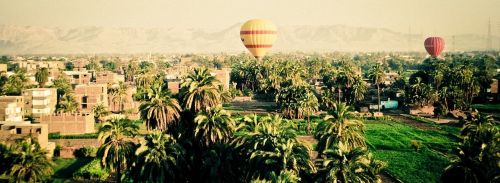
[415,144]
[478,159]
[76,136]
[159,159]
[92,171]
[160,110]
[67,104]
[390,141]
[213,126]
[69,66]
[340,127]
[85,152]
[25,161]
[271,146]
[116,145]
[342,165]
[62,84]
[200,91]
[42,76]
[108,65]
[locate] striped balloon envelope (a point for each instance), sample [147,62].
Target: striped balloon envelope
[434,45]
[258,36]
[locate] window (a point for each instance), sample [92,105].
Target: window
[84,102]
[19,130]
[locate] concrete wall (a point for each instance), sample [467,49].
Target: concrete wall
[69,123]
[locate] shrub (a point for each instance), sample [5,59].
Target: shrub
[57,150]
[85,152]
[79,136]
[91,171]
[415,144]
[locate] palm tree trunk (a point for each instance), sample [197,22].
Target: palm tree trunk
[118,174]
[338,101]
[378,94]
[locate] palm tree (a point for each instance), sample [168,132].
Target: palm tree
[377,75]
[477,154]
[159,159]
[200,91]
[160,111]
[340,165]
[62,84]
[309,105]
[221,162]
[117,148]
[339,127]
[119,94]
[215,125]
[16,83]
[67,104]
[99,110]
[272,147]
[42,76]
[29,162]
[285,176]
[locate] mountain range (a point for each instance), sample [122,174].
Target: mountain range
[16,39]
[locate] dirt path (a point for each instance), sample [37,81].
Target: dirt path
[412,122]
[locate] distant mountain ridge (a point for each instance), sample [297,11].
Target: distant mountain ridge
[86,40]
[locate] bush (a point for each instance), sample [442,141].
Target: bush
[79,136]
[91,171]
[415,144]
[57,150]
[85,152]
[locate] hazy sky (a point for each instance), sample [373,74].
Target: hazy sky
[439,17]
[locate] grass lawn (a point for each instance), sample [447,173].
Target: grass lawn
[390,141]
[487,107]
[64,168]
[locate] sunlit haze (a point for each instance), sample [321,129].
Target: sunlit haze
[423,16]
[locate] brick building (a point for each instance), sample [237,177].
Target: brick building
[223,75]
[11,108]
[174,86]
[79,77]
[106,77]
[15,131]
[64,123]
[40,101]
[89,95]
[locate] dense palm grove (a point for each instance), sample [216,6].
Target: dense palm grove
[192,138]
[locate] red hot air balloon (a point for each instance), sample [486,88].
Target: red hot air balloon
[434,46]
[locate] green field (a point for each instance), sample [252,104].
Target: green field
[64,168]
[487,107]
[390,141]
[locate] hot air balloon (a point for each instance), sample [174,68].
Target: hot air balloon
[258,36]
[434,46]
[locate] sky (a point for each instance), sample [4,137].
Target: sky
[439,17]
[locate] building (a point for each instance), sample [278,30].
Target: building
[223,75]
[89,95]
[64,123]
[11,108]
[106,77]
[16,131]
[40,101]
[33,66]
[173,86]
[79,77]
[79,64]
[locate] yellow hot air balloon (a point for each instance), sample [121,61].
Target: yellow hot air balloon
[258,36]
